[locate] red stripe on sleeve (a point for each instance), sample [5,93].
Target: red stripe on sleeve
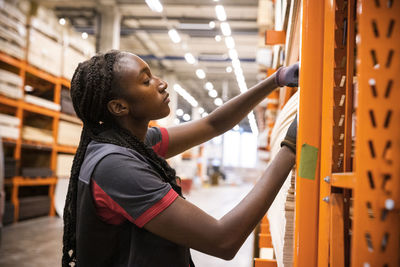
[161,205]
[106,208]
[161,148]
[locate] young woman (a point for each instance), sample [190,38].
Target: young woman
[124,207]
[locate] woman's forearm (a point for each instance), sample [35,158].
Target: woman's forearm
[241,220]
[233,111]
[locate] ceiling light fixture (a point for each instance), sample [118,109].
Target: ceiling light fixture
[200,73]
[186,117]
[177,121]
[211,24]
[204,114]
[229,42]
[213,93]
[190,58]
[155,5]
[182,92]
[62,21]
[201,110]
[218,102]
[220,11]
[218,38]
[225,28]
[179,112]
[236,128]
[84,35]
[229,69]
[209,86]
[174,35]
[233,54]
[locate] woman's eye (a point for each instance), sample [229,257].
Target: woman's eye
[147,82]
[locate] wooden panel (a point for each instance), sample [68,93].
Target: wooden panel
[343,180]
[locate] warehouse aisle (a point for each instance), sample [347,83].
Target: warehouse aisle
[37,242]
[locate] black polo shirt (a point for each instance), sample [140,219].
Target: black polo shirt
[118,193]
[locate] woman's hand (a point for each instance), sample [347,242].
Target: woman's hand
[288,76]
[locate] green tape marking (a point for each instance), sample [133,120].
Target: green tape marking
[308,161]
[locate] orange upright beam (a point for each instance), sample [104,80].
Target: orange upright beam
[376,223]
[307,190]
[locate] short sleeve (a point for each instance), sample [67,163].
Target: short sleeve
[130,187]
[158,139]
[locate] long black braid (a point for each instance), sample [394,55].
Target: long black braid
[92,87]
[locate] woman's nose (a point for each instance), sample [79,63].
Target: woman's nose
[163,84]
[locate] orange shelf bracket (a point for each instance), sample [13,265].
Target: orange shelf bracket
[275,37]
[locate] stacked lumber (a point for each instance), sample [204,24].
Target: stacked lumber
[12,30]
[39,101]
[281,213]
[37,134]
[9,126]
[10,84]
[45,49]
[69,133]
[76,50]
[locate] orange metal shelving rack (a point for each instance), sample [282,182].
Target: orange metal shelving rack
[348,215]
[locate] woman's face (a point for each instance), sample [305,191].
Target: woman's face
[145,93]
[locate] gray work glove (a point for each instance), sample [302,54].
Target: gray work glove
[291,136]
[288,76]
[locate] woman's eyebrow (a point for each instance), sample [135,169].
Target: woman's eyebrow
[145,69]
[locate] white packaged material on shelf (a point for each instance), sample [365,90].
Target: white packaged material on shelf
[281,212]
[71,60]
[46,22]
[64,165]
[44,52]
[69,133]
[10,78]
[12,30]
[36,134]
[42,102]
[9,120]
[9,131]
[10,91]
[60,194]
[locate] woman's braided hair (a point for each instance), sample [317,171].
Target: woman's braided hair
[92,87]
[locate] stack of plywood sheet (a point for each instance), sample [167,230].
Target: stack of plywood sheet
[37,134]
[39,101]
[12,29]
[45,42]
[9,126]
[64,165]
[76,50]
[281,213]
[69,133]
[10,84]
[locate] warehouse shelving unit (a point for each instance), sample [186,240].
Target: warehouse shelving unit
[21,108]
[347,212]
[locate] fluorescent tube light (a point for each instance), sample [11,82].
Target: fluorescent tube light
[190,58]
[200,73]
[229,42]
[155,5]
[174,35]
[220,11]
[225,28]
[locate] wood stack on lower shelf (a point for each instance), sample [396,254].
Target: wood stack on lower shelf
[38,146]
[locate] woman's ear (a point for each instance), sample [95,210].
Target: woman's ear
[118,107]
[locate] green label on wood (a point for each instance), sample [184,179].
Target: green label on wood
[308,161]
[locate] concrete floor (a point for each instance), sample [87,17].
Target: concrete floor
[37,242]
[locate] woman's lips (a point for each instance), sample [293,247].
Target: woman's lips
[166,99]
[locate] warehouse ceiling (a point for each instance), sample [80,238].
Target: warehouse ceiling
[145,33]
